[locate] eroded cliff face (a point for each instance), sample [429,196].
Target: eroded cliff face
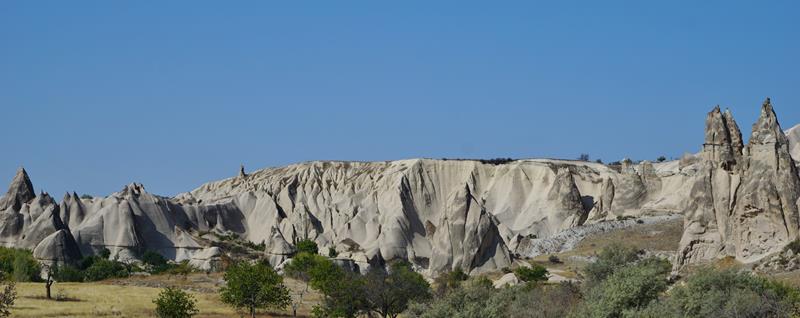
[437,214]
[793,134]
[744,202]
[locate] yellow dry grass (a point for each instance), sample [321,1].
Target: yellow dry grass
[126,298]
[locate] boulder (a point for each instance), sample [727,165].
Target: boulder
[58,248]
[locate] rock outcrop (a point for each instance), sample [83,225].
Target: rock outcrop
[793,134]
[439,215]
[742,205]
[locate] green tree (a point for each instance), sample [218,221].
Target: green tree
[175,303]
[300,268]
[25,268]
[343,291]
[8,294]
[534,273]
[307,246]
[254,286]
[388,293]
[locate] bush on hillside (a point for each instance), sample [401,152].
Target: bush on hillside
[534,273]
[307,246]
[726,293]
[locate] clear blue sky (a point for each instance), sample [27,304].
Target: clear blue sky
[94,95]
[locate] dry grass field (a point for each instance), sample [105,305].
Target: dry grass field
[131,298]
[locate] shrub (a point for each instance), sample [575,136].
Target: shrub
[86,196]
[545,301]
[153,259]
[584,157]
[332,253]
[661,159]
[554,259]
[535,273]
[307,246]
[449,281]
[611,258]
[181,268]
[102,269]
[175,303]
[25,267]
[67,273]
[726,293]
[254,286]
[475,299]
[629,288]
[104,253]
[496,161]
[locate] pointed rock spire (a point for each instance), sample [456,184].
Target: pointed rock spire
[723,142]
[767,130]
[20,189]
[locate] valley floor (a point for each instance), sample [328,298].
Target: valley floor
[130,297]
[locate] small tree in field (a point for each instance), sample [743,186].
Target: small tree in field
[8,294]
[254,286]
[175,303]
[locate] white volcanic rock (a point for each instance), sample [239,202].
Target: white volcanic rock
[207,259]
[508,280]
[746,206]
[59,247]
[19,192]
[794,142]
[437,214]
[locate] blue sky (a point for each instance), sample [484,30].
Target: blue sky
[95,95]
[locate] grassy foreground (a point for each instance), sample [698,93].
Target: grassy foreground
[130,297]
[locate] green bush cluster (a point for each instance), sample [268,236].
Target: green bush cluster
[381,292]
[620,284]
[19,265]
[155,263]
[307,246]
[534,273]
[175,303]
[99,267]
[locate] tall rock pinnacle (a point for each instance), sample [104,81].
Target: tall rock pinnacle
[746,201]
[20,190]
[723,140]
[766,215]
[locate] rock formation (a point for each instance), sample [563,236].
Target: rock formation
[744,202]
[794,142]
[439,215]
